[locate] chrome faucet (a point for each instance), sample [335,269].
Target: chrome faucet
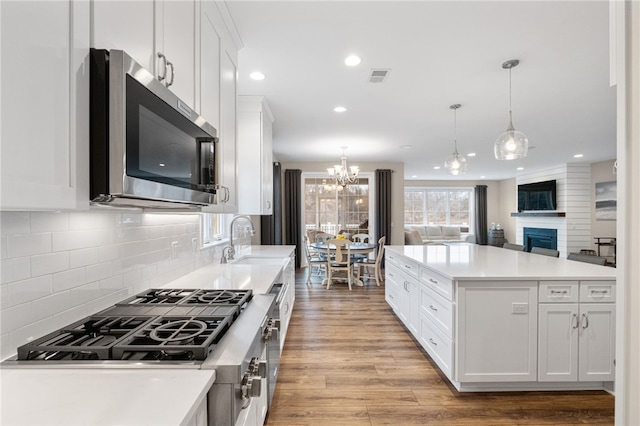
[228,252]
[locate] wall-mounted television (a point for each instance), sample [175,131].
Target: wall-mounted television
[537,196]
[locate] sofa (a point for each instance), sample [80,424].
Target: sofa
[437,234]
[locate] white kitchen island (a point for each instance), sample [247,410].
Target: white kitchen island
[496,319]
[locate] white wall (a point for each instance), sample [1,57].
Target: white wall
[602,172]
[508,198]
[397,188]
[57,268]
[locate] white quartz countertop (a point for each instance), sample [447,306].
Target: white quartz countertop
[101,397]
[476,262]
[258,278]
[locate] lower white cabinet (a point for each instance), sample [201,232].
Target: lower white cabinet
[497,331]
[577,342]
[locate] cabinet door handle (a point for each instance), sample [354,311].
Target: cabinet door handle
[432,342]
[405,285]
[164,66]
[432,281]
[559,292]
[433,308]
[170,82]
[574,320]
[585,321]
[599,291]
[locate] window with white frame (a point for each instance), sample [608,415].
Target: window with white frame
[438,206]
[212,227]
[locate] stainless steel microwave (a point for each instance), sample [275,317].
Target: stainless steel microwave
[148,148]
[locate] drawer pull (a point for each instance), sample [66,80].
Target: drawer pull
[407,266]
[574,319]
[432,281]
[559,291]
[432,342]
[599,291]
[433,308]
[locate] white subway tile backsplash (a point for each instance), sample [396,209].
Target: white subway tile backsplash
[73,240]
[99,271]
[57,268]
[21,292]
[85,293]
[3,247]
[15,317]
[66,280]
[12,223]
[49,221]
[15,269]
[49,263]
[49,306]
[84,257]
[28,244]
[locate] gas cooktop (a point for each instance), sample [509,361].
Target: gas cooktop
[156,325]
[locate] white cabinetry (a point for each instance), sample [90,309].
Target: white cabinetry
[255,189]
[576,331]
[288,299]
[45,105]
[497,327]
[218,81]
[161,35]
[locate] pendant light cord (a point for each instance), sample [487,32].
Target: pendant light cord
[455,130]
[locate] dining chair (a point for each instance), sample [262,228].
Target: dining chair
[545,251]
[361,238]
[511,246]
[341,261]
[587,258]
[320,262]
[375,263]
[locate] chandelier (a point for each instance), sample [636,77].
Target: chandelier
[511,144]
[343,175]
[456,164]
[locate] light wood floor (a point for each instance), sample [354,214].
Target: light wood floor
[348,360]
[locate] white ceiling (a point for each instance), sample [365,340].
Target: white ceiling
[439,53]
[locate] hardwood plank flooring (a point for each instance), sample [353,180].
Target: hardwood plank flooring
[348,360]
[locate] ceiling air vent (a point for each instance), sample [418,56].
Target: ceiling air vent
[378,75]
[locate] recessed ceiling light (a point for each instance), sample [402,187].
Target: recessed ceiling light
[578,156]
[257,75]
[414,176]
[352,60]
[520,168]
[339,109]
[405,146]
[471,154]
[482,177]
[436,168]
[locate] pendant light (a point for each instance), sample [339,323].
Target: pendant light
[512,143]
[456,164]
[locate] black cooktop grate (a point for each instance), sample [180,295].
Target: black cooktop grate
[88,339]
[162,296]
[172,337]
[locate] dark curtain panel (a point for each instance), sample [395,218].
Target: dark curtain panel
[481,214]
[271,225]
[293,210]
[383,204]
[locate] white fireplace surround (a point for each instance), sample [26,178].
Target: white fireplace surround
[573,194]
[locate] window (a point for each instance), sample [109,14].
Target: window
[212,227]
[438,206]
[332,208]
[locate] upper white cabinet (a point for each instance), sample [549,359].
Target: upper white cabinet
[218,97]
[45,105]
[162,35]
[255,189]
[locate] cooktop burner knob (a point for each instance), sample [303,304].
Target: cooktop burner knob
[263,369]
[251,386]
[270,334]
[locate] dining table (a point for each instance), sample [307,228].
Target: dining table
[354,248]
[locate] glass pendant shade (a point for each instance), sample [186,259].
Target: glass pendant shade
[511,144]
[456,164]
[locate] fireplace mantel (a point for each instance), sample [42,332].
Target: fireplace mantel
[538,214]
